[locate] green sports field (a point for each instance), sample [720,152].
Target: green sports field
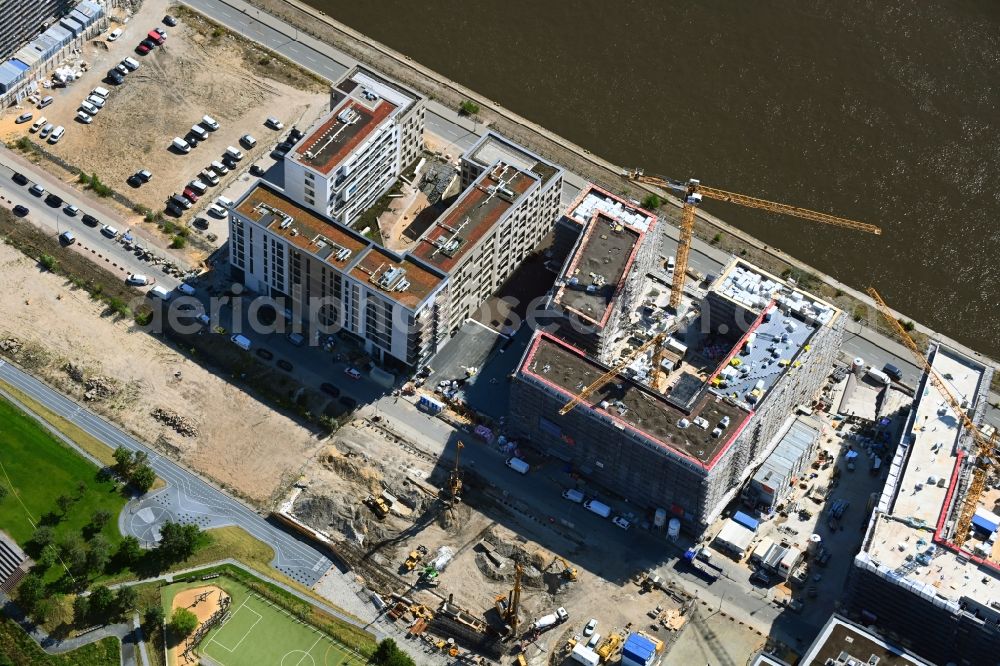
[260,633]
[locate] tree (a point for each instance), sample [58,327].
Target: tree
[43,537]
[143,478]
[129,551]
[30,591]
[102,602]
[126,599]
[389,654]
[100,519]
[139,458]
[468,108]
[651,202]
[123,462]
[178,542]
[81,610]
[183,622]
[154,615]
[99,554]
[64,502]
[3,492]
[48,557]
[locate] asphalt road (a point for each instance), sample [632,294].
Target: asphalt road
[90,240]
[195,499]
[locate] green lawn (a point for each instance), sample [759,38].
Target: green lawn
[18,647]
[260,633]
[36,468]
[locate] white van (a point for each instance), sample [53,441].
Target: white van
[241,342]
[220,168]
[89,108]
[600,508]
[224,202]
[518,465]
[573,495]
[234,152]
[46,101]
[101,92]
[199,132]
[159,292]
[181,145]
[594,640]
[186,289]
[209,177]
[198,186]
[57,134]
[210,122]
[38,124]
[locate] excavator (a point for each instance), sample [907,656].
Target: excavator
[692,192]
[984,446]
[414,558]
[568,572]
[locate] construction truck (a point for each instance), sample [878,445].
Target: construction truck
[378,505]
[414,558]
[546,622]
[429,577]
[609,647]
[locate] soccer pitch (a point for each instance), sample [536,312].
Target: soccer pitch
[260,633]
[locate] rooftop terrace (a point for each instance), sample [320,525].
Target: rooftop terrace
[634,407]
[472,216]
[918,490]
[598,268]
[339,133]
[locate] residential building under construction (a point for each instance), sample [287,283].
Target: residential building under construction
[755,349]
[915,578]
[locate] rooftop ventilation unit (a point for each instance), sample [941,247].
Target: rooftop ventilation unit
[348,116]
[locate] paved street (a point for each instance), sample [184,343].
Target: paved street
[54,220]
[188,498]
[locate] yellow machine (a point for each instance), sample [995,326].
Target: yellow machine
[692,193]
[414,558]
[378,505]
[984,445]
[568,572]
[455,479]
[609,646]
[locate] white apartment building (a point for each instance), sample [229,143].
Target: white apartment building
[353,155]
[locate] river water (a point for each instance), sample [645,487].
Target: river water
[885,111]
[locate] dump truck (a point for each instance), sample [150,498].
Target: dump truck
[378,506]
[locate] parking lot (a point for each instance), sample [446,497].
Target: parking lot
[197,71]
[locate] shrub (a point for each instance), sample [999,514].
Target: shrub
[24,143]
[183,622]
[908,325]
[468,108]
[652,202]
[178,242]
[265,61]
[716,239]
[143,318]
[49,262]
[218,32]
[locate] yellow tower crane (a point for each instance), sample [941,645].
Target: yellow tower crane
[692,193]
[610,374]
[985,446]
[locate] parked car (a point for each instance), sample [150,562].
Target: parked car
[255,170]
[96,100]
[274,123]
[115,34]
[20,210]
[109,231]
[265,354]
[217,211]
[352,372]
[191,194]
[169,21]
[621,522]
[122,69]
[89,108]
[143,48]
[590,628]
[71,210]
[115,77]
[53,200]
[19,178]
[285,365]
[57,134]
[160,31]
[200,223]
[37,190]
[247,140]
[329,389]
[67,238]
[82,117]
[131,64]
[46,130]
[90,220]
[761,577]
[38,124]
[138,280]
[25,117]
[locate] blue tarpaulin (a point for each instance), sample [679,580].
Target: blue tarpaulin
[746,521]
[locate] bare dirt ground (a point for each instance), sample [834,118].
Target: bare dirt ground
[202,607]
[363,459]
[242,443]
[197,72]
[401,214]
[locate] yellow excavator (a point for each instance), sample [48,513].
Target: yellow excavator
[568,572]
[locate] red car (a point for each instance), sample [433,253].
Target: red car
[142,49]
[191,194]
[156,37]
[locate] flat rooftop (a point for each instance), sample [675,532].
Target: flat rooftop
[401,280]
[597,270]
[593,199]
[842,641]
[493,148]
[921,480]
[340,132]
[472,216]
[632,406]
[754,288]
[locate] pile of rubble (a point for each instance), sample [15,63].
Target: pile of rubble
[182,425]
[508,552]
[74,371]
[99,388]
[10,347]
